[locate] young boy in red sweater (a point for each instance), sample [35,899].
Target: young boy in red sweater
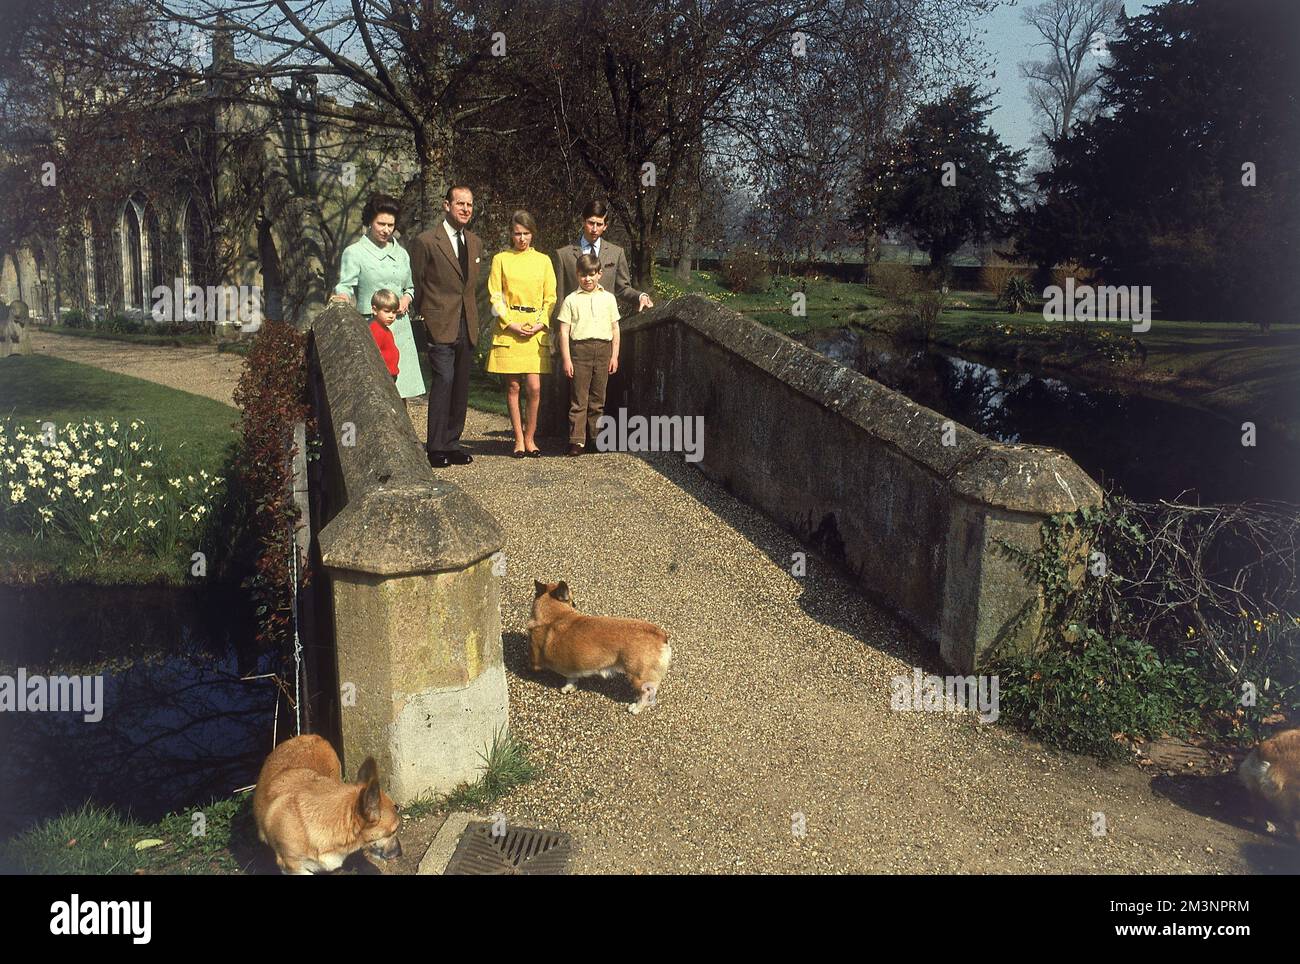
[384,304]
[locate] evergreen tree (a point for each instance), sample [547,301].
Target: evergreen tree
[1187,182]
[949,179]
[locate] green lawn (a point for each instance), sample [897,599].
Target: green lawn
[828,304]
[1228,367]
[196,435]
[485,391]
[93,839]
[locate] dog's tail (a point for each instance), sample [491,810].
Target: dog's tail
[665,657]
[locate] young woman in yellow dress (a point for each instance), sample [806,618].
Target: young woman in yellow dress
[521,286]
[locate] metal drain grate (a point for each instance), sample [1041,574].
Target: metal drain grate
[521,850]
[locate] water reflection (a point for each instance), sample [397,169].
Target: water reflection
[1147,448]
[180,725]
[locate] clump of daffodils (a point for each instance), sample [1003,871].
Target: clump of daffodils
[102,485]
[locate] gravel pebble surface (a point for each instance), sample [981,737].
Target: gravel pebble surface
[777,704]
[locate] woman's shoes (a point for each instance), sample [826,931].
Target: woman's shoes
[535,453]
[519,453]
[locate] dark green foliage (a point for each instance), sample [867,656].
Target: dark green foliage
[908,188]
[1151,192]
[1158,618]
[1095,694]
[1016,294]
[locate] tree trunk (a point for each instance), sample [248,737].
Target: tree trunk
[684,263]
[870,254]
[18,274]
[642,265]
[689,229]
[433,142]
[939,261]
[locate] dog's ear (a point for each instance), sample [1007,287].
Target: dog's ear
[369,771]
[539,588]
[368,804]
[562,593]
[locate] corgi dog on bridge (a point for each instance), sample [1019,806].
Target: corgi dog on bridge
[574,645]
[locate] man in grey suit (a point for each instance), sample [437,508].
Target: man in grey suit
[614,274]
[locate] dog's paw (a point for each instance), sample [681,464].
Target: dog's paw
[568,688]
[635,708]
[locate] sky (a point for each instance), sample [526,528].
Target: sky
[1009,41]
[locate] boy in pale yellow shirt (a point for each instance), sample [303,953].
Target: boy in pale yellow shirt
[589,349]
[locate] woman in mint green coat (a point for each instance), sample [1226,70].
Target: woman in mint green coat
[377,261]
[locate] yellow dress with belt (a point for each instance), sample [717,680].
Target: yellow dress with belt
[527,279]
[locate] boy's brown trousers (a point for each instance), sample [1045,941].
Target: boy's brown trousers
[591,358]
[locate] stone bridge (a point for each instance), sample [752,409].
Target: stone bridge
[833,538]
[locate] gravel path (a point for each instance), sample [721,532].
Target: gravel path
[200,370]
[777,702]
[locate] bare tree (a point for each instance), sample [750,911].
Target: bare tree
[1062,87]
[818,123]
[74,128]
[635,87]
[410,67]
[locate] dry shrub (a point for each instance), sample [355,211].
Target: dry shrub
[993,277]
[744,270]
[1080,274]
[898,283]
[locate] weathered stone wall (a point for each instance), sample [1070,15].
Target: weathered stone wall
[858,471]
[416,607]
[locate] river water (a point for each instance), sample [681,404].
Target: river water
[187,712]
[1144,448]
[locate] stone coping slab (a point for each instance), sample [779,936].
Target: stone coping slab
[1019,478]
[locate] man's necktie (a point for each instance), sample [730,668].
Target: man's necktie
[464,254]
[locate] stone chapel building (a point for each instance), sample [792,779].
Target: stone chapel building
[255,188]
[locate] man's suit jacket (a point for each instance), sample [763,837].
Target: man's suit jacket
[441,293]
[614,275]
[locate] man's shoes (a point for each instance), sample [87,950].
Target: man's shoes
[575,450]
[440,460]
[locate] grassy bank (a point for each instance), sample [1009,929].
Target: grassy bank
[827,304]
[1228,368]
[221,837]
[485,391]
[192,436]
